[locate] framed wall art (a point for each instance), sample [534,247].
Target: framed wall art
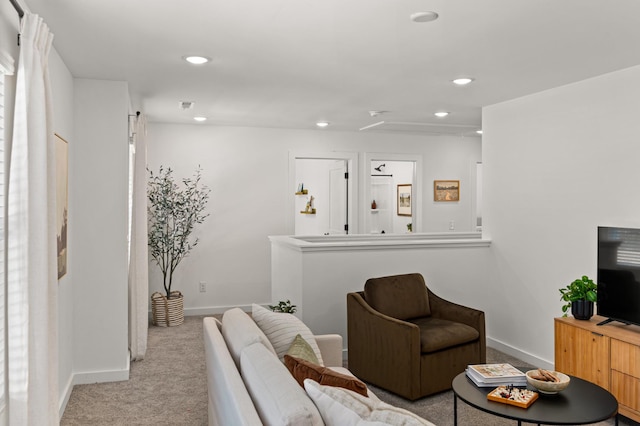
[404,200]
[62,202]
[446,190]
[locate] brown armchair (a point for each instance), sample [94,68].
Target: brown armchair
[405,339]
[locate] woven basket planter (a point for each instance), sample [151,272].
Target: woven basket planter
[167,312]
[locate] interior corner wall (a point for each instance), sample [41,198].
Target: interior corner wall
[557,164]
[98,209]
[247,170]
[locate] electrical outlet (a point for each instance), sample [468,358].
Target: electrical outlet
[452,225]
[203,287]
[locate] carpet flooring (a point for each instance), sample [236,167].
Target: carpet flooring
[169,387]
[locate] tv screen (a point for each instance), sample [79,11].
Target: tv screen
[619,274]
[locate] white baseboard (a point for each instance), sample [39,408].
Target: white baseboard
[102,376]
[525,356]
[211,310]
[64,400]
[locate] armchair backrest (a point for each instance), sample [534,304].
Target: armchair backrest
[399,296]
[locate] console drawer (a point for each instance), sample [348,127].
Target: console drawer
[626,389]
[625,358]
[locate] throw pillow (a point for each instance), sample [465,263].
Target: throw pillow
[281,328]
[240,331]
[342,407]
[302,369]
[300,348]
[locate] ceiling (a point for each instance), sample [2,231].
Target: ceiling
[290,63]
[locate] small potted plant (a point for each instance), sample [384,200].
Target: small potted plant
[284,306]
[173,212]
[580,296]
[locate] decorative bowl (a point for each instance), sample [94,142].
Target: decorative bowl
[548,387]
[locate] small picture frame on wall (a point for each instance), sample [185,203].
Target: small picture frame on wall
[404,200]
[446,190]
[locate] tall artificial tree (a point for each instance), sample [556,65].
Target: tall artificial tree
[174,210]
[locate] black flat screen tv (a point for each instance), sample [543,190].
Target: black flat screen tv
[619,274]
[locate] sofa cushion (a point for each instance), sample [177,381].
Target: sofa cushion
[240,331]
[300,348]
[281,329]
[275,393]
[342,407]
[302,369]
[437,333]
[398,296]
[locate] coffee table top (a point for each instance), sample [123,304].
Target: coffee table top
[582,402]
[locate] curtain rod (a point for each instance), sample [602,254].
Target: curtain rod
[17,7]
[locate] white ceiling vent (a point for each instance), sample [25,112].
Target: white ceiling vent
[184,105]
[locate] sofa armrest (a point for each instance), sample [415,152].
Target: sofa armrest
[441,308]
[331,349]
[373,337]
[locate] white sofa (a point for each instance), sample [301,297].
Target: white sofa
[248,384]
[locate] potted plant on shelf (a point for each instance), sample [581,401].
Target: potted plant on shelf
[580,296]
[173,212]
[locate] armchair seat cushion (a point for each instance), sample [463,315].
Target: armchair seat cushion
[437,334]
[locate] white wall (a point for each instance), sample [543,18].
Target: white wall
[247,170]
[98,186]
[556,165]
[63,108]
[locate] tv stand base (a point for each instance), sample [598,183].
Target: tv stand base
[608,320]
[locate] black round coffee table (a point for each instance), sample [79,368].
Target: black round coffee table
[580,403]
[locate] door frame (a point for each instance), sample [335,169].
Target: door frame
[351,159]
[416,192]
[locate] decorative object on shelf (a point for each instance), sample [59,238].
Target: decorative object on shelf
[301,190]
[374,205]
[173,212]
[404,200]
[309,209]
[284,306]
[580,296]
[446,190]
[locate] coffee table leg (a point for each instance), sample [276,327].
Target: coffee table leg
[455,410]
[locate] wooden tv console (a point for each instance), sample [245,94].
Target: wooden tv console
[607,355]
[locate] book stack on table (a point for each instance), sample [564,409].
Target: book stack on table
[492,375]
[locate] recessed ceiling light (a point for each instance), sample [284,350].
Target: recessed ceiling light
[322,124]
[196,60]
[462,81]
[200,118]
[441,114]
[424,16]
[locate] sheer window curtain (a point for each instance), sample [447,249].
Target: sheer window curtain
[32,262]
[138,250]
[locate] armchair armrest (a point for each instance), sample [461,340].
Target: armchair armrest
[331,349]
[373,337]
[441,308]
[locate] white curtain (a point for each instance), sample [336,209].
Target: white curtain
[138,251]
[32,259]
